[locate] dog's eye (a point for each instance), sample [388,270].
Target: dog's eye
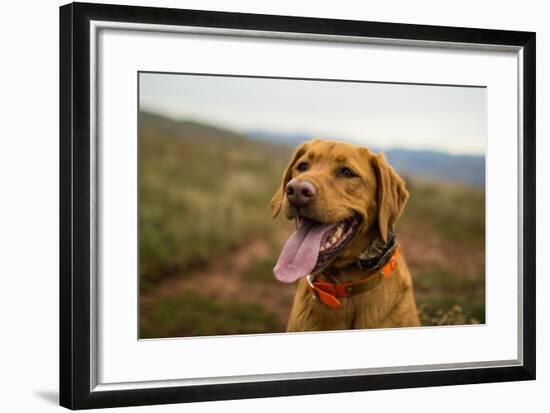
[346,172]
[302,166]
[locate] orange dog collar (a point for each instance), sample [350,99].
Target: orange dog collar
[329,293]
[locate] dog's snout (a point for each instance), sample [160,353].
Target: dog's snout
[299,192]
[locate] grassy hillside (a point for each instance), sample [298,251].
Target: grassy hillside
[207,242]
[200,195]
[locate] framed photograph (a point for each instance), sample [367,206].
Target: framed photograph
[258,205]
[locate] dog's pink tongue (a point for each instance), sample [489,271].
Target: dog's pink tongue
[300,253]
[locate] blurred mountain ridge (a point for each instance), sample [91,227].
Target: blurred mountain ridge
[430,164]
[427,164]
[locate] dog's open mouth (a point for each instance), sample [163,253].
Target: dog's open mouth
[311,246]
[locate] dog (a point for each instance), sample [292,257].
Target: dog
[352,273]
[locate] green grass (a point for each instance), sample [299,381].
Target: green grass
[261,271]
[454,212]
[195,315]
[200,200]
[452,297]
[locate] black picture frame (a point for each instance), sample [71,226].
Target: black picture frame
[75,220]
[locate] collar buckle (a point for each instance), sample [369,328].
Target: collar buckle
[319,293]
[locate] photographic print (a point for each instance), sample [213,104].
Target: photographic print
[269,205]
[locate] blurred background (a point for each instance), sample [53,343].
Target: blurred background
[212,152]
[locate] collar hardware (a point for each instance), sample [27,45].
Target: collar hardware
[329,293]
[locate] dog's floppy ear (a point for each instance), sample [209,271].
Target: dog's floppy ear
[277,200]
[392,195]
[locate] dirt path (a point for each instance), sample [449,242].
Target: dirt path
[223,280]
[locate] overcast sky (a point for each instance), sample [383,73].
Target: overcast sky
[449,119]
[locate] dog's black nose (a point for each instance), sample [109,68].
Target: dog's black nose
[299,192]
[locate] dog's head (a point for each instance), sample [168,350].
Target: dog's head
[339,194]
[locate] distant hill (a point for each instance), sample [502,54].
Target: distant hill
[464,169]
[290,139]
[186,128]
